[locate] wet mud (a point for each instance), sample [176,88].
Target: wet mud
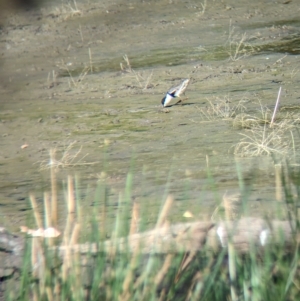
[93,76]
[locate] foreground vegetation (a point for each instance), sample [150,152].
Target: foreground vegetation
[270,272]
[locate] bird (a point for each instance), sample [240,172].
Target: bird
[174,92]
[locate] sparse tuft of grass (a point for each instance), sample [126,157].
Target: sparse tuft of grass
[76,82]
[237,45]
[69,158]
[221,108]
[264,136]
[265,141]
[143,81]
[66,11]
[245,121]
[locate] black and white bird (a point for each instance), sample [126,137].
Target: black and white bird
[174,92]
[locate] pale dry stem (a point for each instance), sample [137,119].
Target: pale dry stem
[164,269]
[51,82]
[276,107]
[143,82]
[164,212]
[37,215]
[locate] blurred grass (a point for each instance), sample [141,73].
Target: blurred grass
[269,273]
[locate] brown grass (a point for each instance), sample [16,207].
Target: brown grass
[222,108]
[264,141]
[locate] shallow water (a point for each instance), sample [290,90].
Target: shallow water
[115,117]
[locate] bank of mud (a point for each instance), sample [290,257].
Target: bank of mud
[64,80]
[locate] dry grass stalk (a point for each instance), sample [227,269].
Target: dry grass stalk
[91,62]
[262,139]
[37,216]
[80,32]
[68,260]
[51,214]
[75,235]
[66,263]
[203,7]
[80,78]
[238,47]
[67,231]
[67,11]
[47,206]
[71,260]
[162,295]
[229,209]
[265,141]
[139,280]
[71,198]
[134,219]
[222,108]
[187,259]
[278,182]
[38,262]
[164,269]
[160,222]
[34,258]
[232,204]
[76,266]
[232,271]
[49,293]
[70,239]
[52,82]
[128,68]
[35,294]
[164,212]
[53,190]
[142,81]
[246,121]
[69,159]
[103,219]
[294,72]
[194,294]
[126,294]
[276,107]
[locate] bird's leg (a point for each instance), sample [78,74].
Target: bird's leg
[180,101]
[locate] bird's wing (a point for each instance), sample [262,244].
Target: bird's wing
[172,91]
[178,89]
[182,87]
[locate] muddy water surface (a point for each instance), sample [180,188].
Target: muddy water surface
[62,83]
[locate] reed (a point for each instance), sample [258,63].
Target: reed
[117,273]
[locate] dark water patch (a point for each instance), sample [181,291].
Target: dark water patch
[291,108]
[154,58]
[273,23]
[288,45]
[185,55]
